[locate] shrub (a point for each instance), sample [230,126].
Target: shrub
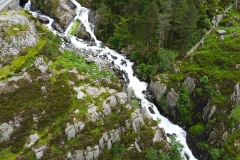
[197,129]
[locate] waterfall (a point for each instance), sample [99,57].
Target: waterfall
[137,85]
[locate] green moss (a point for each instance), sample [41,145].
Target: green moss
[19,61]
[74,27]
[14,29]
[197,129]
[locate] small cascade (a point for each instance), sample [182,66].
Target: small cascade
[82,15]
[138,86]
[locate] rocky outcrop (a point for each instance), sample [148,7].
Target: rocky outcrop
[190,83]
[57,27]
[236,94]
[121,97]
[32,139]
[39,150]
[157,88]
[16,32]
[82,33]
[5,131]
[43,20]
[40,64]
[208,111]
[12,5]
[63,11]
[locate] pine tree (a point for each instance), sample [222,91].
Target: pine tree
[150,15]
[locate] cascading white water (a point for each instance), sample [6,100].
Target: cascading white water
[134,82]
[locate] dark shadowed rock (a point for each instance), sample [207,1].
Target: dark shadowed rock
[113,57]
[57,27]
[43,20]
[151,110]
[67,39]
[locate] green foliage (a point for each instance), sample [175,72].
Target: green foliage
[235,113]
[184,103]
[197,129]
[215,153]
[151,155]
[5,154]
[175,150]
[15,29]
[135,103]
[162,100]
[158,64]
[19,61]
[74,27]
[206,89]
[164,58]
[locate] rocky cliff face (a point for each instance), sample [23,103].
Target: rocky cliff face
[63,11]
[16,33]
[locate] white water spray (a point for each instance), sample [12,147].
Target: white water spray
[135,83]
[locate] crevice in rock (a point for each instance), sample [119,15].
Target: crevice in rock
[22,2]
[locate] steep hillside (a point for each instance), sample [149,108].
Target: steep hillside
[202,92]
[57,105]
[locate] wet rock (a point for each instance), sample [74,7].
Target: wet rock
[94,54]
[186,156]
[123,62]
[57,27]
[151,110]
[113,57]
[71,5]
[89,60]
[82,33]
[43,20]
[93,17]
[117,70]
[157,88]
[67,39]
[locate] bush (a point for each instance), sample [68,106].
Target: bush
[197,129]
